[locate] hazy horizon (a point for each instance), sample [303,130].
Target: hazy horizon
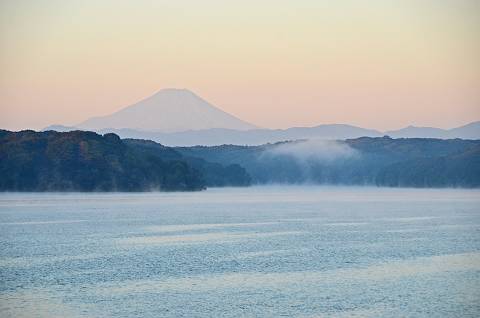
[274,64]
[77,123]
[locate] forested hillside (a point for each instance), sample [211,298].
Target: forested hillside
[383,161]
[86,161]
[214,174]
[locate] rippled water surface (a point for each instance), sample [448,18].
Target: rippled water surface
[246,252]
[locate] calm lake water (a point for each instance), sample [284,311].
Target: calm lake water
[246,252]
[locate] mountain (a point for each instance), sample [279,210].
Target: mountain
[169,110]
[211,137]
[60,128]
[333,131]
[220,136]
[469,131]
[178,117]
[417,132]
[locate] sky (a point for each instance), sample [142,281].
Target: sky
[381,64]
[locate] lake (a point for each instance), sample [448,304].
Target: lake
[242,252]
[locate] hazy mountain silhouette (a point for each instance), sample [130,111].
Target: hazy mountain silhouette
[469,131]
[220,136]
[169,110]
[412,132]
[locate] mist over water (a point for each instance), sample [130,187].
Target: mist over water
[236,252]
[313,161]
[314,150]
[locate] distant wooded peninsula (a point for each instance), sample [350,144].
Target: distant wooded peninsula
[87,161]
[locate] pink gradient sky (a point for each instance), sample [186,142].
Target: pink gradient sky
[376,64]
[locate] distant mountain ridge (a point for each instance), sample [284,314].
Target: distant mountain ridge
[469,131]
[168,110]
[220,136]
